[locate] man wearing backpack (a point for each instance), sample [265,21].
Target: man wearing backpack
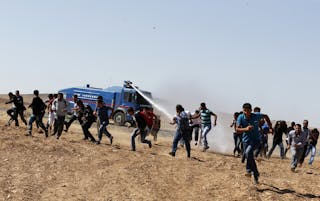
[183,130]
[59,105]
[38,107]
[86,119]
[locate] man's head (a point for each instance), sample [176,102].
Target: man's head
[179,108]
[130,111]
[247,109]
[100,98]
[203,106]
[60,96]
[50,96]
[235,115]
[36,92]
[305,123]
[297,128]
[257,109]
[17,93]
[99,103]
[10,94]
[75,98]
[293,124]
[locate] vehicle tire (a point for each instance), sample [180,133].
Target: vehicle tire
[119,118]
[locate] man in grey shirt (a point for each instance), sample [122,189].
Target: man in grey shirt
[297,141]
[59,105]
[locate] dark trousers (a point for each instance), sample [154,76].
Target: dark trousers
[85,128]
[68,124]
[38,119]
[196,129]
[237,143]
[58,125]
[20,113]
[142,133]
[12,112]
[305,148]
[103,130]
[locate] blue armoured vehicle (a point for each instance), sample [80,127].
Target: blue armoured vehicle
[118,98]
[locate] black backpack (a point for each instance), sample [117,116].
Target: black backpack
[184,126]
[89,114]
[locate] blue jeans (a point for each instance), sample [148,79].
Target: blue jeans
[311,148]
[237,143]
[102,129]
[142,133]
[205,130]
[296,155]
[177,137]
[251,165]
[38,119]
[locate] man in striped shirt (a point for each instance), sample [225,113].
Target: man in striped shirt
[205,115]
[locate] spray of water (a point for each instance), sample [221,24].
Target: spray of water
[160,108]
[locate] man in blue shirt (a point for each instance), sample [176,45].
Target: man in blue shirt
[102,112]
[248,126]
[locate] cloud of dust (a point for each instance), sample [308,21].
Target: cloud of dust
[169,94]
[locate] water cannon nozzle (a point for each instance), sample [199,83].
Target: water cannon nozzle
[128,82]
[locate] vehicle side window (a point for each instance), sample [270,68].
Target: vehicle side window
[128,97]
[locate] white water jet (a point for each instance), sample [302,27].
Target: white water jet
[160,108]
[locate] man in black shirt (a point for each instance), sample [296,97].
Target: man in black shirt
[13,111]
[279,129]
[22,108]
[141,128]
[38,107]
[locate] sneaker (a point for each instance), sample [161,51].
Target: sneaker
[293,169]
[85,138]
[111,139]
[46,133]
[205,148]
[57,137]
[133,150]
[98,142]
[196,144]
[256,181]
[150,145]
[172,153]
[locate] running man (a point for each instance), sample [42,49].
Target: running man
[205,115]
[183,130]
[102,113]
[38,107]
[141,124]
[248,126]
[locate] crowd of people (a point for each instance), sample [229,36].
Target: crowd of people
[251,128]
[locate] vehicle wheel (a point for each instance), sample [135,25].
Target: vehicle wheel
[119,119]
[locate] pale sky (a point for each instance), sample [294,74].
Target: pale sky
[224,53]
